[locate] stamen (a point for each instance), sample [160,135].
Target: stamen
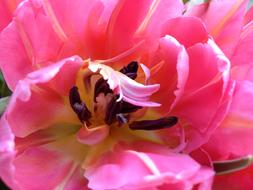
[130,70]
[101,86]
[122,118]
[162,123]
[78,106]
[129,108]
[115,108]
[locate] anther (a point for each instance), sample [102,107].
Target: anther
[130,70]
[101,86]
[162,123]
[115,108]
[122,118]
[78,106]
[112,109]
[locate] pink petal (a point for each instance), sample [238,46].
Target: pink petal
[193,30]
[235,137]
[243,52]
[149,15]
[249,16]
[6,9]
[27,43]
[34,105]
[210,84]
[7,153]
[223,20]
[77,181]
[32,172]
[173,73]
[150,170]
[81,22]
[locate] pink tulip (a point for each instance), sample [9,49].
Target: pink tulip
[117,94]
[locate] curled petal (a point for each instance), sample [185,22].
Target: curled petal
[36,102]
[128,89]
[172,74]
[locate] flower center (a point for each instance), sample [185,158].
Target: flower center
[114,104]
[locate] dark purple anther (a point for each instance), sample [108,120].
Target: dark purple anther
[162,123]
[130,70]
[78,106]
[101,86]
[114,108]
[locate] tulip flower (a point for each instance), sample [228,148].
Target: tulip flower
[122,94]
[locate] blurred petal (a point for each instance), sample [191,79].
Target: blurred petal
[7,8]
[224,21]
[149,16]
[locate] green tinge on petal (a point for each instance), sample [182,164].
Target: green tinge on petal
[229,166]
[3,103]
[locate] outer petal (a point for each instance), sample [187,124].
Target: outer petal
[210,84]
[27,43]
[43,32]
[34,105]
[243,52]
[32,172]
[6,9]
[235,136]
[7,153]
[148,16]
[224,21]
[150,170]
[193,30]
[20,169]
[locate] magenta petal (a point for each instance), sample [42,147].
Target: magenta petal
[46,168]
[7,154]
[32,95]
[210,84]
[7,8]
[174,68]
[27,43]
[149,16]
[243,52]
[193,29]
[235,136]
[223,21]
[150,170]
